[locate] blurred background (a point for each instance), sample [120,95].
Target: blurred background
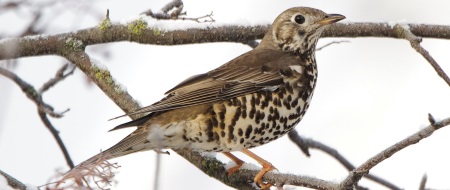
[371,93]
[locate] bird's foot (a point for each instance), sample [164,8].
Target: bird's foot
[236,160]
[266,167]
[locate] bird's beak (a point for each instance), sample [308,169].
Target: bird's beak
[331,18]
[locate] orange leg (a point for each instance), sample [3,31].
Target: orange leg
[236,160]
[266,167]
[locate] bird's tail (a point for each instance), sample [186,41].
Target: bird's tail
[132,143]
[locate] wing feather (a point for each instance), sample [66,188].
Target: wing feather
[236,78]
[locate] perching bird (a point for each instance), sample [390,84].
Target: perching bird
[251,100]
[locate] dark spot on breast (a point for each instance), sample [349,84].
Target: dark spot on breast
[240,132]
[248,131]
[279,103]
[251,115]
[276,114]
[252,102]
[210,136]
[286,104]
[293,116]
[262,115]
[216,136]
[294,102]
[244,114]
[222,116]
[258,99]
[230,133]
[281,93]
[269,96]
[222,133]
[241,141]
[214,122]
[236,116]
[244,100]
[257,117]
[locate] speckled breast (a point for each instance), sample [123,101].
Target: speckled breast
[256,119]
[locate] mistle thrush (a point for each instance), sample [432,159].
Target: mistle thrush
[251,100]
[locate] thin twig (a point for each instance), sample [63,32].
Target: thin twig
[157,171]
[58,139]
[59,76]
[415,41]
[423,182]
[331,43]
[31,93]
[358,173]
[43,108]
[174,10]
[306,143]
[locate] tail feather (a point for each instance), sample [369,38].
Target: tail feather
[128,145]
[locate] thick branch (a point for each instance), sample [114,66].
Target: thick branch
[59,44]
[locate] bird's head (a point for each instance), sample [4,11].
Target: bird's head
[298,29]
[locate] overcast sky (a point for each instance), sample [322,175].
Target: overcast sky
[371,93]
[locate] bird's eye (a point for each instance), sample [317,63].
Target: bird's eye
[299,19]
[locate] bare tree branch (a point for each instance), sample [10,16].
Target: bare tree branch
[174,11]
[43,108]
[306,143]
[58,139]
[57,44]
[13,182]
[358,173]
[31,93]
[59,76]
[423,182]
[415,43]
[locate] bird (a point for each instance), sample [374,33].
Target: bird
[249,101]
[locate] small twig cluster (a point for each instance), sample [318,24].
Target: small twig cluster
[45,109]
[174,11]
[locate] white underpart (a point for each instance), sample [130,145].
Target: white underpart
[296,68]
[158,134]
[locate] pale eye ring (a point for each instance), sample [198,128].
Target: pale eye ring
[299,19]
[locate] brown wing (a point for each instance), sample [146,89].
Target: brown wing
[248,73]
